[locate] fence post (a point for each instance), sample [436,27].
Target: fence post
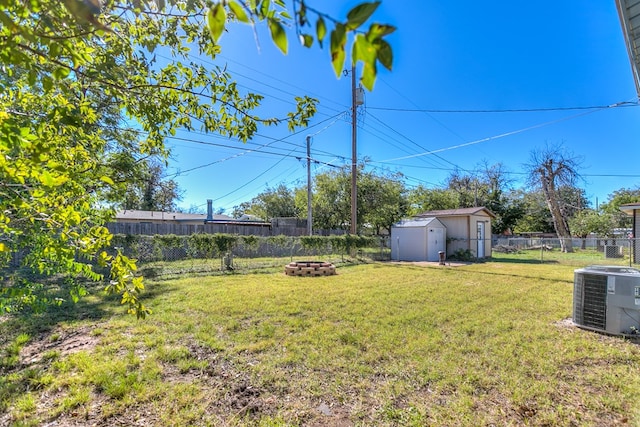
[541,250]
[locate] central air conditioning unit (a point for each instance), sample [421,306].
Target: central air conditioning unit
[607,299]
[613,251]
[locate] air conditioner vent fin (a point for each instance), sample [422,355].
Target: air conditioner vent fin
[594,301]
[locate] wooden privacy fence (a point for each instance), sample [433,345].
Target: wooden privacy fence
[277,227]
[150,229]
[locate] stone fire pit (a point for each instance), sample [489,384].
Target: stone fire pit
[309,268]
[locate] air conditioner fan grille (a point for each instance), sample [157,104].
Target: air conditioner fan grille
[591,301]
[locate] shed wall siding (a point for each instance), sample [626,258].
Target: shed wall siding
[456,227]
[411,242]
[457,233]
[462,233]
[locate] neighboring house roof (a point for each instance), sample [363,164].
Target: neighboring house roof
[220,218]
[458,212]
[249,217]
[628,208]
[136,215]
[240,223]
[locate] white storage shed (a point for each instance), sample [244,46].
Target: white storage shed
[467,228]
[418,239]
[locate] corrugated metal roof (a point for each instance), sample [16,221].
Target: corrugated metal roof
[629,12]
[421,222]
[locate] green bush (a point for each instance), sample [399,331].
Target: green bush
[314,242]
[202,246]
[462,255]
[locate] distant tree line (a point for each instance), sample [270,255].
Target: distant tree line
[552,201]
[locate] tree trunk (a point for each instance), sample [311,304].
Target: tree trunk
[559,223]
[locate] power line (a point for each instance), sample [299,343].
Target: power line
[478,141]
[274,139]
[279,89]
[512,110]
[181,173]
[250,181]
[414,143]
[475,171]
[387,139]
[231,202]
[425,112]
[283,81]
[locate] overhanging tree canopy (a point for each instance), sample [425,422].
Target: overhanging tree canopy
[76,76]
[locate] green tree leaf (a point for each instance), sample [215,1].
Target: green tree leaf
[377,31]
[239,12]
[47,83]
[385,54]
[363,50]
[321,30]
[47,179]
[61,73]
[359,14]
[278,35]
[369,74]
[216,20]
[107,180]
[302,15]
[306,40]
[338,42]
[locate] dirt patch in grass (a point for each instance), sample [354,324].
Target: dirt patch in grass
[565,324]
[234,396]
[61,341]
[228,389]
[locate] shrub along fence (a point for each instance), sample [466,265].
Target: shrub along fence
[170,255]
[170,247]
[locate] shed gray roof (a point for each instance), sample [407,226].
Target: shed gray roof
[417,222]
[457,212]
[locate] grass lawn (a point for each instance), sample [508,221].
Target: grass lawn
[578,258]
[379,344]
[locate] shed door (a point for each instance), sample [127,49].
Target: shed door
[480,240]
[435,243]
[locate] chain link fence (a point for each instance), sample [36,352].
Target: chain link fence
[169,256]
[248,252]
[172,256]
[593,250]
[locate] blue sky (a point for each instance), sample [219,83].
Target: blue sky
[450,58]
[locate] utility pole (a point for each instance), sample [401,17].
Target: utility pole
[354,155]
[309,219]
